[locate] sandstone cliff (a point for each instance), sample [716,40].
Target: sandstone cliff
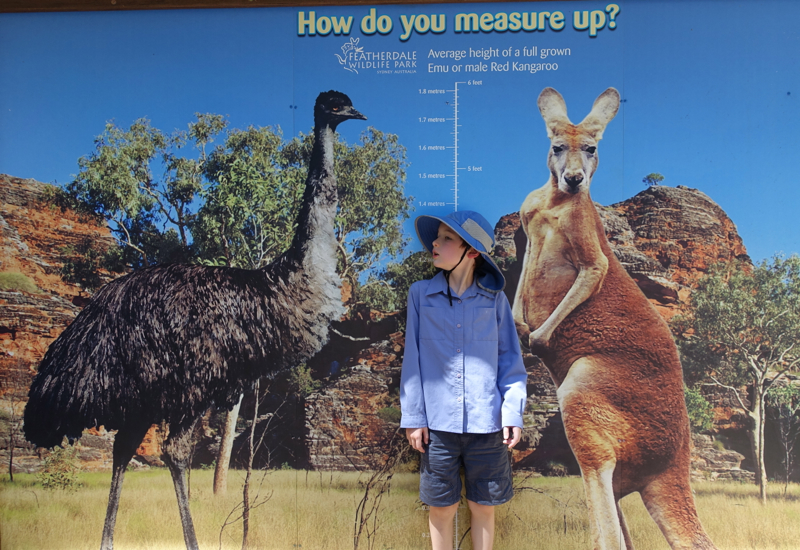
[36,236]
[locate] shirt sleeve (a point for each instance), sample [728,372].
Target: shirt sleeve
[512,378]
[412,398]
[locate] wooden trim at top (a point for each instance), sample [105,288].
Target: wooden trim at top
[24,6]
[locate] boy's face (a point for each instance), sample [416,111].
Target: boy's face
[447,248]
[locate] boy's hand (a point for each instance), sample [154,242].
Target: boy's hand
[418,438]
[511,435]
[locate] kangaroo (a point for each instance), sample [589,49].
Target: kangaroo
[609,352]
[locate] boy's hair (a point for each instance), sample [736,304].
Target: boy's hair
[478,259]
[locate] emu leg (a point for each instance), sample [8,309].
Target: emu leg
[177,455]
[125,444]
[670,503]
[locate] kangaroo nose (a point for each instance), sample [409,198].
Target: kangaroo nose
[574,181]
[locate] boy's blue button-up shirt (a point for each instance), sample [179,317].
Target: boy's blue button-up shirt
[462,368]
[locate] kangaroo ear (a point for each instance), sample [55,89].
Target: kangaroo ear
[604,109]
[553,109]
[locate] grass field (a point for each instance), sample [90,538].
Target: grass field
[316,510]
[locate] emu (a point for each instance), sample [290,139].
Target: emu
[166,342]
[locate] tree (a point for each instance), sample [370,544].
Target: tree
[784,409]
[150,216]
[653,179]
[742,328]
[251,201]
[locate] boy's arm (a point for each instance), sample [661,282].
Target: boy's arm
[412,398]
[512,378]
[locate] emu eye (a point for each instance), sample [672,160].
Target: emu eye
[334,109]
[591,150]
[557,148]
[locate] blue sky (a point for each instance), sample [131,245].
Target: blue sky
[710,88]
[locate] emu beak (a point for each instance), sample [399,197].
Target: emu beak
[350,112]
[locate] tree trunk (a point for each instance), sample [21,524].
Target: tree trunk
[225,448]
[757,414]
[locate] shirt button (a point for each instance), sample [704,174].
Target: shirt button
[458,351]
[459,301]
[458,325]
[459,400]
[458,376]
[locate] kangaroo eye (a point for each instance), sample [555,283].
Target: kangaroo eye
[591,150]
[557,148]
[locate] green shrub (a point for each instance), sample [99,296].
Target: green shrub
[390,414]
[701,417]
[300,377]
[12,280]
[60,469]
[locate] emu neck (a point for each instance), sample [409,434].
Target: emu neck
[314,243]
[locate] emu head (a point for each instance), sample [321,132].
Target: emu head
[333,108]
[573,148]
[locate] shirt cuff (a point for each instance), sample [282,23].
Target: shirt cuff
[511,420]
[413,421]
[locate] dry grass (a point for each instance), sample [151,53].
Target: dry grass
[313,510]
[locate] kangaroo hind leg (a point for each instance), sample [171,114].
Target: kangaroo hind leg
[591,423]
[670,503]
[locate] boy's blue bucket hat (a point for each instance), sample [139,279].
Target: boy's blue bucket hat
[476,231]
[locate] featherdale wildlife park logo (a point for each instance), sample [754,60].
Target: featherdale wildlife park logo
[354,58]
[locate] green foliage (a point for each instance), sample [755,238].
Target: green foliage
[13,280]
[787,398]
[743,322]
[117,182]
[56,197]
[653,179]
[60,469]
[390,414]
[249,190]
[701,416]
[251,202]
[301,380]
[388,289]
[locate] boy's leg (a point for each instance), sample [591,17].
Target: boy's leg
[440,521]
[440,485]
[481,525]
[488,476]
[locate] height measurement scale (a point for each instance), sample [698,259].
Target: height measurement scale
[433,176]
[455,120]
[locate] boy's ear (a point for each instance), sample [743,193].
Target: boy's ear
[473,253]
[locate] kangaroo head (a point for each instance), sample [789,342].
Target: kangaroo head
[573,148]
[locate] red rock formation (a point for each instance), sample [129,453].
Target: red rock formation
[35,237]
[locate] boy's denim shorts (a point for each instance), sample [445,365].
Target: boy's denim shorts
[487,469]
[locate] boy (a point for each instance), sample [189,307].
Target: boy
[462,388]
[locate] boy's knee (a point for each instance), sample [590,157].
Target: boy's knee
[443,512]
[480,509]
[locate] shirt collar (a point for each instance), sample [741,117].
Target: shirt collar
[439,284]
